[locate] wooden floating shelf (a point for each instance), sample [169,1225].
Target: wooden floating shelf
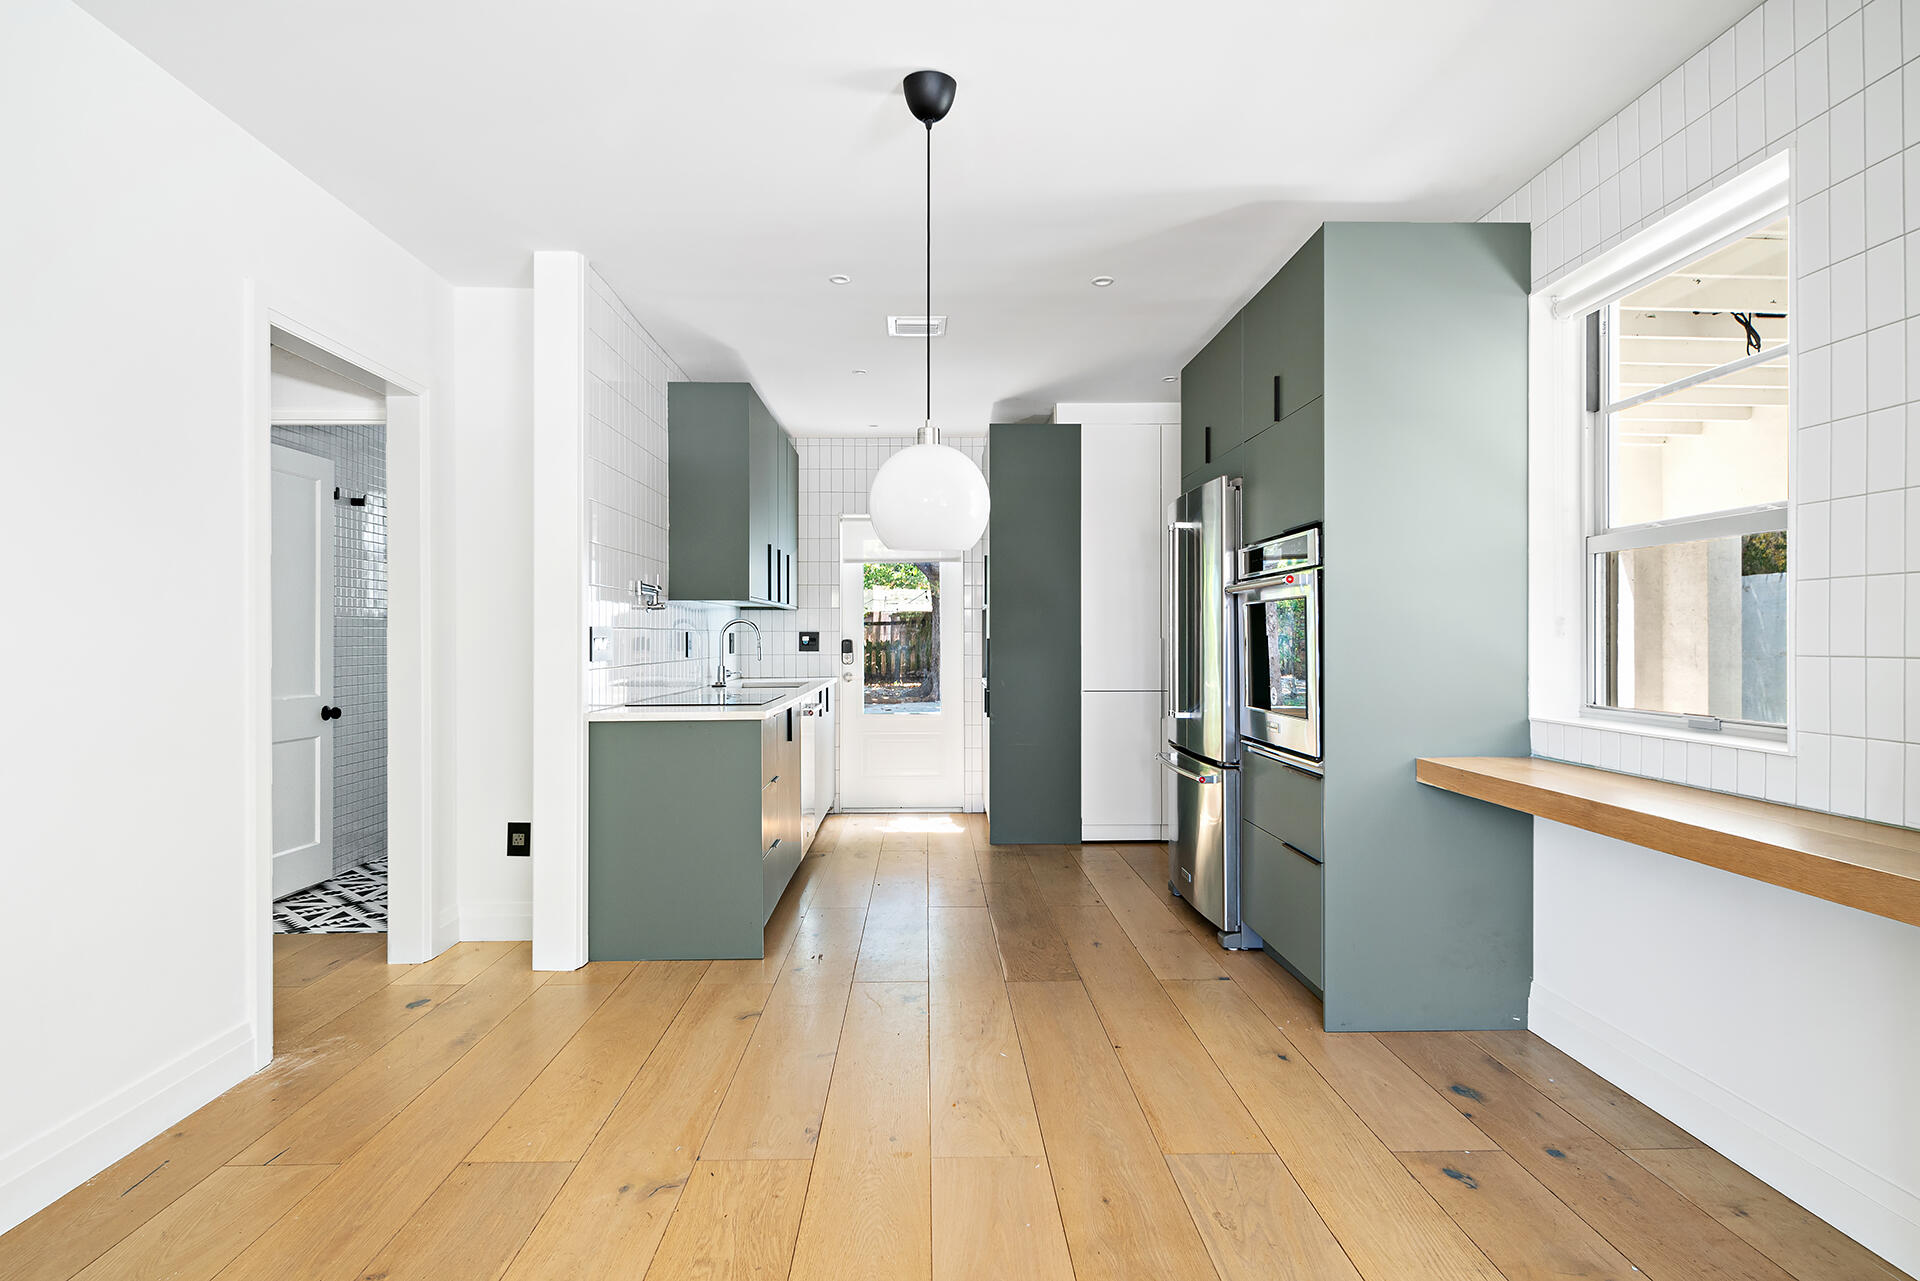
[1869,866]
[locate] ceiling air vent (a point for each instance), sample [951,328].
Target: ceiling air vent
[916,326]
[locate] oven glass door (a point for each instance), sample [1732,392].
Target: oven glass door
[1280,677]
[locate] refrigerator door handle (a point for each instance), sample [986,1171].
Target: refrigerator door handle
[1205,780]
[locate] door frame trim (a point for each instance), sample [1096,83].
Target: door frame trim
[419,925]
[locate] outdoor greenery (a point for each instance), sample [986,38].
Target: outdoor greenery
[1762,553]
[895,574]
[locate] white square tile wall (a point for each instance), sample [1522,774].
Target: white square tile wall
[1838,85]
[836,474]
[648,651]
[359,454]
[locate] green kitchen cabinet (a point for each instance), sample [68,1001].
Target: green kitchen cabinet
[693,832]
[732,497]
[1210,406]
[1284,470]
[1398,425]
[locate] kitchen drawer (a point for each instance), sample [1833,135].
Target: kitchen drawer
[1280,897]
[777,865]
[1282,801]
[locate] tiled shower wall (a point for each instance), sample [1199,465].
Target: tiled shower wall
[359,455]
[836,474]
[648,651]
[1836,83]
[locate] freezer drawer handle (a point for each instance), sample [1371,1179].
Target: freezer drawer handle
[1167,760]
[1317,862]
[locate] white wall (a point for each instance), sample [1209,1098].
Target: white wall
[1781,1029]
[493,661]
[137,216]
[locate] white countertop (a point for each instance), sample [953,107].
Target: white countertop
[795,691]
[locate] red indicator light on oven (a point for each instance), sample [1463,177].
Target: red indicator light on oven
[1289,578]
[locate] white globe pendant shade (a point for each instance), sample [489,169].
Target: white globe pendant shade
[929,496]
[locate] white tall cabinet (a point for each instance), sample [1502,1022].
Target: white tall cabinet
[1129,472]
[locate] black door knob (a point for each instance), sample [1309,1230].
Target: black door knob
[330,713]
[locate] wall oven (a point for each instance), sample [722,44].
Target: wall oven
[1277,587]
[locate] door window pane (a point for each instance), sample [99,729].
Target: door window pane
[1698,628]
[901,607]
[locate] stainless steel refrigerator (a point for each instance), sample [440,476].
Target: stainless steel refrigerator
[1203,735]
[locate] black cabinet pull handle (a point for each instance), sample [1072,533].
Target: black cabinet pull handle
[330,713]
[1207,440]
[1317,862]
[774,846]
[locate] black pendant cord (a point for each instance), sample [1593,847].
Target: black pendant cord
[929,338]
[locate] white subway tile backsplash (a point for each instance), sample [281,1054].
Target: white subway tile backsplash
[1886,615]
[1847,617]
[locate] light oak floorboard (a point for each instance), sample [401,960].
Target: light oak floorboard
[1387,1094]
[772,1109]
[608,1220]
[564,1107]
[70,1233]
[995,1219]
[472,1224]
[982,1104]
[1387,1223]
[1170,950]
[314,956]
[893,948]
[606,973]
[1255,1220]
[334,1125]
[1031,949]
[1123,1216]
[1778,1227]
[297,1011]
[824,955]
[1056,874]
[463,962]
[1583,1094]
[900,879]
[345,1221]
[845,880]
[1662,1232]
[1189,1104]
[953,874]
[196,1236]
[868,1212]
[736,1221]
[1526,1230]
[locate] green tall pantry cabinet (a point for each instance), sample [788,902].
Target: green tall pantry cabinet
[1377,387]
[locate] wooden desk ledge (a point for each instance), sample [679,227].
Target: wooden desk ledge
[1871,866]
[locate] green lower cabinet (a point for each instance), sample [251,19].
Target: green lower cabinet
[1284,468]
[681,821]
[1281,898]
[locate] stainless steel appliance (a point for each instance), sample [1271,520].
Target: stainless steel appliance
[1203,740]
[1278,589]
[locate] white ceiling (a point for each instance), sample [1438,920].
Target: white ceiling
[718,161]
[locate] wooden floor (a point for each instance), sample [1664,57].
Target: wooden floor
[956,1061]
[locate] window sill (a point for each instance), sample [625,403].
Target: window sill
[1654,729]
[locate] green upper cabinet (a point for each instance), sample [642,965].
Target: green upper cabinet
[732,497]
[1286,340]
[1210,406]
[1284,467]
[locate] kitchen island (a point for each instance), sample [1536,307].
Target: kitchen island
[698,814]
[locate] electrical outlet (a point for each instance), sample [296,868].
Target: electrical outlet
[599,644]
[519,840]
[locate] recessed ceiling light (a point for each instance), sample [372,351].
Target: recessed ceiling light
[1101,282]
[1171,378]
[859,371]
[839,280]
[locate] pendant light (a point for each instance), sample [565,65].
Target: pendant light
[929,496]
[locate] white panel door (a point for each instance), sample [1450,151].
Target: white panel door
[901,715]
[1121,515]
[302,670]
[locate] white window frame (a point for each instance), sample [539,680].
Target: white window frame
[1568,525]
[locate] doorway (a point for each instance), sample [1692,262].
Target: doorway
[329,650]
[902,736]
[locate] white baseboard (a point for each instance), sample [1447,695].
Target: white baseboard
[496,920]
[1122,832]
[57,1160]
[1874,1211]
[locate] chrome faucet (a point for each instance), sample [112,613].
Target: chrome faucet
[720,678]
